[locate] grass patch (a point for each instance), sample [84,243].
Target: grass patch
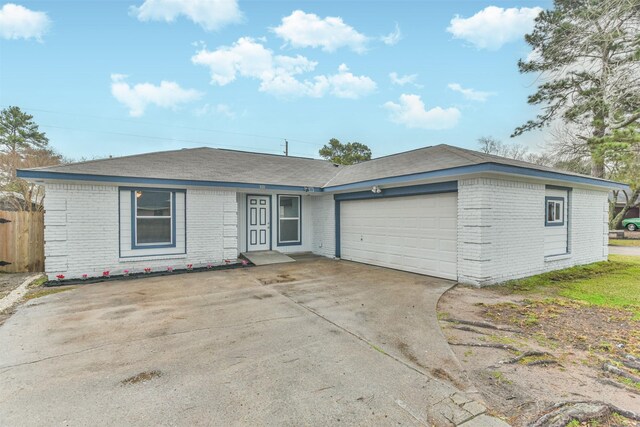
[630,383]
[45,292]
[38,282]
[614,283]
[625,242]
[378,349]
[499,377]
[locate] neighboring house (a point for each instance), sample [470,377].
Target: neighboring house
[621,202]
[441,211]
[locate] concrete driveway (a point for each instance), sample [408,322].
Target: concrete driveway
[625,250]
[307,343]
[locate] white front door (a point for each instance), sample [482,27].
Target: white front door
[258,223]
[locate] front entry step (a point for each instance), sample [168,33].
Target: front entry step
[266,257]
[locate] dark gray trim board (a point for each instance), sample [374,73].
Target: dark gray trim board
[34,174]
[414,190]
[400,179]
[483,167]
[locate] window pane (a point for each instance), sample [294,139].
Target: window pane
[153,230]
[289,230]
[289,207]
[558,211]
[153,203]
[549,211]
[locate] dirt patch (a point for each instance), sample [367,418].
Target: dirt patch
[10,281]
[141,377]
[406,352]
[604,331]
[280,278]
[544,352]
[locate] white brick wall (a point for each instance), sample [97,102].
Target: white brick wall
[81,231]
[323,222]
[501,230]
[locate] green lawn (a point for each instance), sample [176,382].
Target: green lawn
[626,242]
[614,283]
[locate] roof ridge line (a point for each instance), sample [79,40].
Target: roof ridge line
[465,154]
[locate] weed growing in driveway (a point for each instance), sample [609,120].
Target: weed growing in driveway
[376,348]
[45,292]
[38,282]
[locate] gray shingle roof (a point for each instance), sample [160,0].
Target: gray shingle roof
[210,164]
[427,159]
[213,164]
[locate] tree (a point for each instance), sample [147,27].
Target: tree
[22,145]
[18,132]
[345,154]
[491,145]
[622,153]
[587,53]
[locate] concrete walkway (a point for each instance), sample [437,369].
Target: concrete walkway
[17,294]
[266,257]
[624,250]
[315,342]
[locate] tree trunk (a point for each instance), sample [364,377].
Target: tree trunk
[632,202]
[613,201]
[597,167]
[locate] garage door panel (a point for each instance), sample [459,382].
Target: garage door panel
[416,233]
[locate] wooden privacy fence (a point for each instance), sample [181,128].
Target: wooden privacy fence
[21,242]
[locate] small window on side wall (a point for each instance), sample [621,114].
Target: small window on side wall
[554,214]
[289,220]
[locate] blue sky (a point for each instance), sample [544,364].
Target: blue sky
[123,77]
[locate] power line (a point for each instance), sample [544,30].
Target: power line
[160,138]
[169,125]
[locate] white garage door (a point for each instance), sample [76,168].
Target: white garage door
[416,233]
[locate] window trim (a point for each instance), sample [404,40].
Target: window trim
[299,219]
[134,218]
[555,200]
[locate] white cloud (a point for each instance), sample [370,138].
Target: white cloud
[209,14]
[140,96]
[302,29]
[470,94]
[346,85]
[410,112]
[393,37]
[494,26]
[18,22]
[403,80]
[278,73]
